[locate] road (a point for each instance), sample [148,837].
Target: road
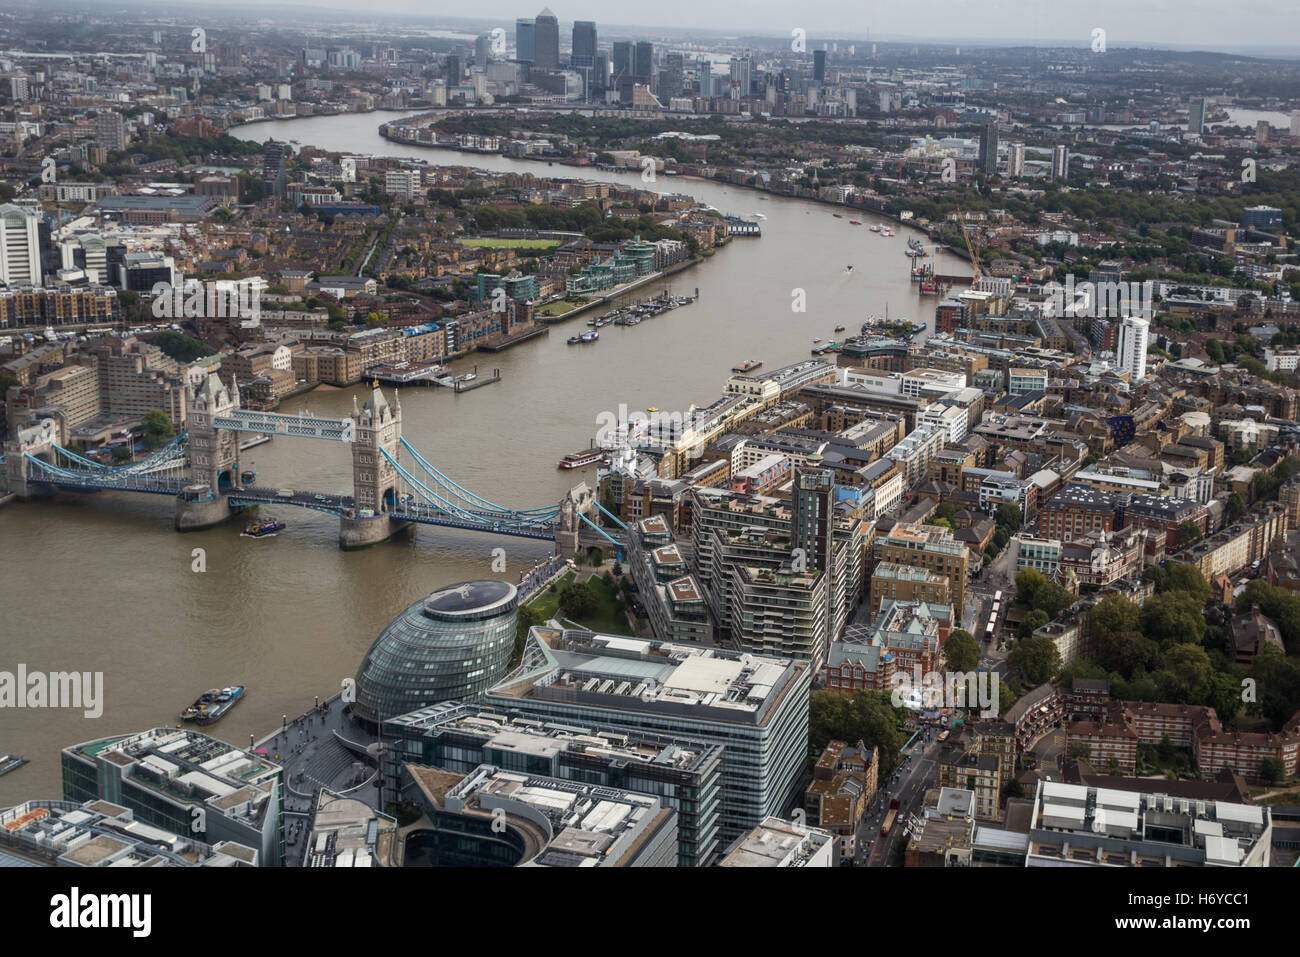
[908,784]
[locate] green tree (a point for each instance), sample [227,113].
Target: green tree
[1032,622]
[1028,581]
[525,618]
[1236,506]
[1052,599]
[1172,617]
[1009,516]
[157,428]
[962,651]
[1271,770]
[1189,533]
[867,716]
[1186,675]
[1036,658]
[578,601]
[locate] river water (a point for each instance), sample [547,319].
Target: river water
[103,584]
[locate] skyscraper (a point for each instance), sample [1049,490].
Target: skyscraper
[1016,160]
[524,37]
[109,130]
[1196,115]
[1133,335]
[819,66]
[643,61]
[1060,162]
[453,70]
[584,43]
[546,41]
[989,148]
[483,50]
[622,59]
[20,247]
[704,74]
[740,77]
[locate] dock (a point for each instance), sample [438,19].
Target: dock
[460,384]
[407,373]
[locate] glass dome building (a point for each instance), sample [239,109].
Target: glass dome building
[454,644]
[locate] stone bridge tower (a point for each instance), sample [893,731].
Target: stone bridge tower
[375,483]
[36,440]
[214,452]
[580,500]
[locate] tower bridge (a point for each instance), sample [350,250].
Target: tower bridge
[393,484]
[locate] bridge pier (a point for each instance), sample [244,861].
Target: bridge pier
[197,507]
[357,533]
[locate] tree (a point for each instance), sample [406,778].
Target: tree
[1028,581]
[1271,770]
[1189,533]
[1186,675]
[157,428]
[1032,622]
[1181,577]
[962,651]
[1009,516]
[1036,658]
[578,601]
[1236,506]
[1052,599]
[866,716]
[1172,617]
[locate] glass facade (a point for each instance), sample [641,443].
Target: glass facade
[453,645]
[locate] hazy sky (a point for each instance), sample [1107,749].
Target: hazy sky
[1209,23]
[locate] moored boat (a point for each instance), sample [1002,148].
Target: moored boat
[748,365]
[213,704]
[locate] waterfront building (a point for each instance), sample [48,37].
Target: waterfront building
[686,776]
[755,707]
[452,645]
[186,783]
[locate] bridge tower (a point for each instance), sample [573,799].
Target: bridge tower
[213,455]
[375,483]
[37,440]
[214,452]
[580,500]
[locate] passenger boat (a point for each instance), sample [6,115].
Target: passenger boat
[262,529]
[577,460]
[589,336]
[875,227]
[574,340]
[854,222]
[213,704]
[11,762]
[747,366]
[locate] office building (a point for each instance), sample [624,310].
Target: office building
[525,40]
[110,131]
[1196,109]
[452,645]
[755,707]
[778,843]
[491,817]
[1060,162]
[1134,333]
[988,157]
[186,783]
[99,833]
[546,41]
[1261,217]
[819,66]
[682,775]
[643,61]
[584,43]
[1077,826]
[20,246]
[932,548]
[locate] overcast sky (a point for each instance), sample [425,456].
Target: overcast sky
[1208,23]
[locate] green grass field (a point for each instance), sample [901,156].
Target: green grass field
[605,619]
[539,244]
[558,308]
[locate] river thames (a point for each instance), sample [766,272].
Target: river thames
[103,584]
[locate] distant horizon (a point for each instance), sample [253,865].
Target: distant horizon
[1185,26]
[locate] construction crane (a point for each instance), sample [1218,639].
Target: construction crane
[974,256]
